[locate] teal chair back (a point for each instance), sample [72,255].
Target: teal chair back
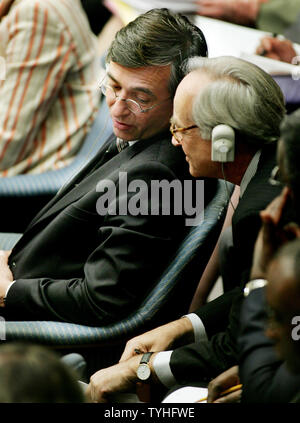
[25,195]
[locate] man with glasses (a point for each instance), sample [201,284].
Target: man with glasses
[271,305]
[93,252]
[238,94]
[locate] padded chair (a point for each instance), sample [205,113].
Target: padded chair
[22,196]
[168,300]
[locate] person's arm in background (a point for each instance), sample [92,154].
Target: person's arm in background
[107,34]
[39,52]
[277,49]
[265,378]
[243,12]
[277,16]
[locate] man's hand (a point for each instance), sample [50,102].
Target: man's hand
[223,382]
[242,12]
[115,379]
[271,235]
[6,276]
[277,49]
[160,339]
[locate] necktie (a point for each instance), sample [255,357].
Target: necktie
[115,148]
[121,144]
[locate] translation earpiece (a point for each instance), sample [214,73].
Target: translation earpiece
[222,144]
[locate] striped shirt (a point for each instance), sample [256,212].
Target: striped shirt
[50,93]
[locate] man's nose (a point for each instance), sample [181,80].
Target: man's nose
[175,142]
[119,107]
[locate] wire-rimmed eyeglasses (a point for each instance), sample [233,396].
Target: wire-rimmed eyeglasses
[132,105]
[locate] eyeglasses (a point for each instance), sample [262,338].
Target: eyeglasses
[177,132]
[275,177]
[132,105]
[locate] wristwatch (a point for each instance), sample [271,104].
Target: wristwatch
[144,371]
[254,284]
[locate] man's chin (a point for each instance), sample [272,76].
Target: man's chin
[124,135]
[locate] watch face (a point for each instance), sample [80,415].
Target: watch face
[143,372]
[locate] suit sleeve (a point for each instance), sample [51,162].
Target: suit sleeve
[131,252]
[203,361]
[215,314]
[265,378]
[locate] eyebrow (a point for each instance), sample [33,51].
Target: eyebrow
[141,89]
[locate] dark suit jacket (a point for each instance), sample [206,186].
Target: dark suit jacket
[245,227]
[72,264]
[265,378]
[221,316]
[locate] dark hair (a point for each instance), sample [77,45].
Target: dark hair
[33,374]
[158,38]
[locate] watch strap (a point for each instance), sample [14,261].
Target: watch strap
[146,358]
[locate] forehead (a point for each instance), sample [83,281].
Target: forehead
[152,78]
[191,86]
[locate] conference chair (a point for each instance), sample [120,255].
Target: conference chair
[23,196]
[169,298]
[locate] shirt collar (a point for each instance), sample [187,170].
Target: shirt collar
[250,172]
[130,143]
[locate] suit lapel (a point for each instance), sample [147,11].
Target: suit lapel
[86,170]
[88,178]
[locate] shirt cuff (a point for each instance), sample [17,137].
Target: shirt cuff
[8,288]
[198,326]
[161,361]
[161,364]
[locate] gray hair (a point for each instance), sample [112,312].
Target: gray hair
[240,95]
[158,38]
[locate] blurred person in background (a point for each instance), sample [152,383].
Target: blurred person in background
[50,94]
[34,374]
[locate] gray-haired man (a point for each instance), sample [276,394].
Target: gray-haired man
[249,106]
[83,261]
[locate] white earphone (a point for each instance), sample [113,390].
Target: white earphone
[222,144]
